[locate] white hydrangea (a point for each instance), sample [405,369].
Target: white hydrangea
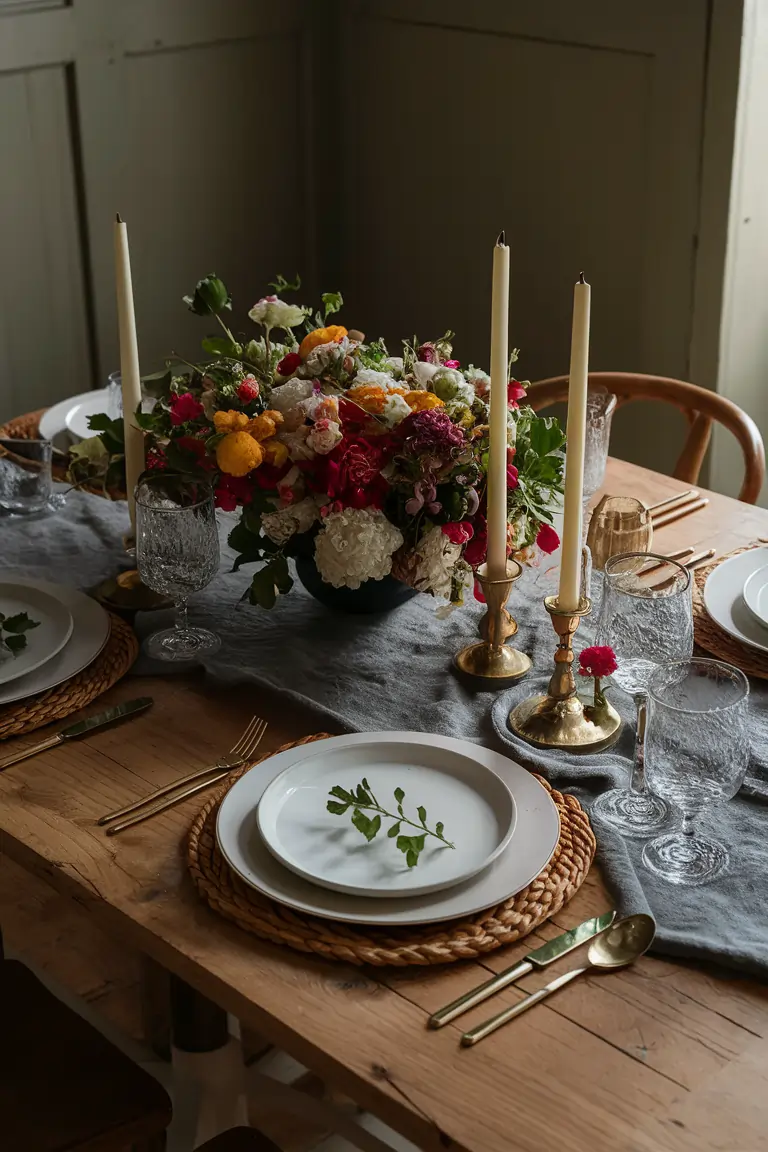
[286,399]
[395,409]
[272,312]
[286,522]
[355,545]
[423,373]
[437,559]
[325,356]
[371,376]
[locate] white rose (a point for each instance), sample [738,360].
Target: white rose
[272,312]
[324,436]
[286,397]
[356,545]
[395,364]
[286,522]
[323,356]
[296,442]
[423,373]
[371,376]
[395,409]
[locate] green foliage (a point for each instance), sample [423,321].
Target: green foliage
[210,297]
[16,627]
[269,581]
[280,284]
[361,796]
[222,346]
[111,432]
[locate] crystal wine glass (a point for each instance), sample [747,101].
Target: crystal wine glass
[177,551]
[648,620]
[601,405]
[697,754]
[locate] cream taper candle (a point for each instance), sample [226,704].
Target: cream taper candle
[569,593]
[129,366]
[497,456]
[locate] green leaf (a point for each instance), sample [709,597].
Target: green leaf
[332,302]
[282,578]
[16,643]
[342,794]
[157,384]
[394,830]
[439,828]
[362,795]
[422,815]
[262,590]
[210,298]
[337,808]
[21,622]
[411,858]
[366,785]
[222,346]
[280,284]
[545,435]
[368,827]
[399,795]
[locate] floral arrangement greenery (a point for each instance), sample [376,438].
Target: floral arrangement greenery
[326,441]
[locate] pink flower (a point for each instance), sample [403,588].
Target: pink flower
[515,392]
[289,363]
[424,496]
[547,539]
[427,353]
[324,435]
[248,390]
[459,532]
[451,364]
[512,481]
[597,661]
[185,407]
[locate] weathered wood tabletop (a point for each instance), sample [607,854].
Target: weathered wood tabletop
[661,1057]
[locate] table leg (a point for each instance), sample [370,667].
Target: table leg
[207,1061]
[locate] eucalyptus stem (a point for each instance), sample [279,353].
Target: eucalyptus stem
[376,807]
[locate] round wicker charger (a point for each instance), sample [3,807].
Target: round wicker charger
[711,637]
[430,944]
[110,665]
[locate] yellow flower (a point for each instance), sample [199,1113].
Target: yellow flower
[420,401]
[230,421]
[275,452]
[370,397]
[330,335]
[238,454]
[264,426]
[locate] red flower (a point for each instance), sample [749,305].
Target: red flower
[289,364]
[232,491]
[479,594]
[547,539]
[459,532]
[476,549]
[353,473]
[515,392]
[248,390]
[196,447]
[156,460]
[512,480]
[597,661]
[184,408]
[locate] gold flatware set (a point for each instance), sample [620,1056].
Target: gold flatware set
[676,507]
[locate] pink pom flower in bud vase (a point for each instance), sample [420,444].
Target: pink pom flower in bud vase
[598,662]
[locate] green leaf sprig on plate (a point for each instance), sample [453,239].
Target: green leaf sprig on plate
[13,629]
[362,797]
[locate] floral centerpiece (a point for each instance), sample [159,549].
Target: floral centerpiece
[374,462]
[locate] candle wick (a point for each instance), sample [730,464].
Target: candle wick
[581,278]
[501,239]
[118,218]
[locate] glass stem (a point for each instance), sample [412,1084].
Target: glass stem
[181,615]
[637,780]
[687,825]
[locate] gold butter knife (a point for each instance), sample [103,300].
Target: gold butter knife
[82,728]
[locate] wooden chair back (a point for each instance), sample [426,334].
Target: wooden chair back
[700,407]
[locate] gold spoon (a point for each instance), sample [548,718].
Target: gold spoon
[621,944]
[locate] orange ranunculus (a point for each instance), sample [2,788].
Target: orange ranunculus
[231,421]
[264,426]
[330,335]
[275,452]
[421,401]
[238,454]
[369,397]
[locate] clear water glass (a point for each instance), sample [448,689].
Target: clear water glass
[601,405]
[115,396]
[619,524]
[177,553]
[647,618]
[697,755]
[26,484]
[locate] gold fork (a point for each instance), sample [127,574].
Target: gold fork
[150,805]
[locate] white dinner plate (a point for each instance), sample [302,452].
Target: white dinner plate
[54,628]
[473,804]
[54,421]
[89,635]
[536,833]
[724,600]
[756,595]
[79,414]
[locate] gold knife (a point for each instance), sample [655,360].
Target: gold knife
[539,958]
[75,731]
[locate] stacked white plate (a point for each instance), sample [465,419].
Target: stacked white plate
[70,417]
[500,829]
[71,631]
[736,597]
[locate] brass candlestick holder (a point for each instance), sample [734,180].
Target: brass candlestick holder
[491,659]
[560,719]
[125,593]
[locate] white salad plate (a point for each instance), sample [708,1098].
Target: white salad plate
[471,801]
[724,599]
[90,633]
[756,595]
[57,418]
[535,836]
[54,628]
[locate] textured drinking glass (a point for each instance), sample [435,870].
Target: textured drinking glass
[619,524]
[697,754]
[648,620]
[25,475]
[600,408]
[115,396]
[177,552]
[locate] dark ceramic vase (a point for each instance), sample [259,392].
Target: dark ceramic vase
[372,596]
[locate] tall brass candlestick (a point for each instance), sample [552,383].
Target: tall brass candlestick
[491,659]
[559,719]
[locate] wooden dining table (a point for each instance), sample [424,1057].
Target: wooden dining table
[664,1056]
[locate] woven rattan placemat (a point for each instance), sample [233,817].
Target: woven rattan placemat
[110,665]
[431,944]
[712,638]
